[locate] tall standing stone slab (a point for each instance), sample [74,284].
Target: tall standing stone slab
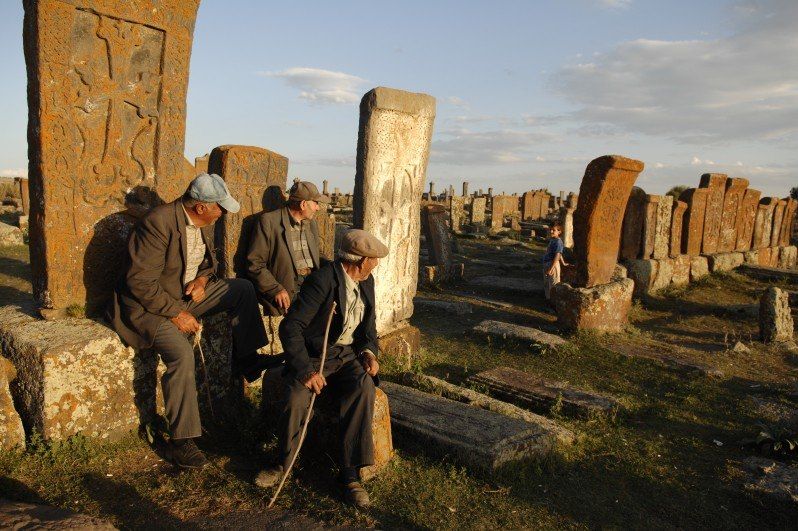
[478,206]
[457,212]
[775,316]
[677,220]
[633,221]
[567,221]
[325,223]
[528,212]
[603,195]
[746,219]
[392,154]
[649,224]
[732,202]
[24,194]
[657,226]
[503,205]
[715,183]
[256,177]
[787,222]
[436,233]
[106,125]
[778,215]
[764,222]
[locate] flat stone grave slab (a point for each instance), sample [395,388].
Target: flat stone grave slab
[481,440]
[455,307]
[523,333]
[657,354]
[772,478]
[522,285]
[768,273]
[18,515]
[537,394]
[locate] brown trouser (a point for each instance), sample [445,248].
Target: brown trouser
[235,296]
[354,392]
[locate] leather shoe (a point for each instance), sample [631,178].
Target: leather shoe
[269,477]
[356,495]
[183,453]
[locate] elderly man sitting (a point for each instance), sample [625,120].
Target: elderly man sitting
[351,365]
[170,282]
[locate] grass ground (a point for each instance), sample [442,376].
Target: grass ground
[657,465]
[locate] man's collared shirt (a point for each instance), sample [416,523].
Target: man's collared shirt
[298,240]
[195,249]
[355,308]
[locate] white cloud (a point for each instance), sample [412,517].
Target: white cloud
[614,4]
[502,146]
[14,172]
[740,87]
[321,86]
[456,101]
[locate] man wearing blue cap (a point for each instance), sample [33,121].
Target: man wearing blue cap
[168,284]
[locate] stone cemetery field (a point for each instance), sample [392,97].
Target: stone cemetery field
[648,422]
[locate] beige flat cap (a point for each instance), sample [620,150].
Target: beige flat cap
[361,243]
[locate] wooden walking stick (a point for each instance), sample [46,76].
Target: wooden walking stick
[309,410]
[198,346]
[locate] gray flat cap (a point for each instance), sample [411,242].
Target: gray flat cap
[360,243]
[210,188]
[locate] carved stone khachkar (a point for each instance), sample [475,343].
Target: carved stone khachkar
[633,222]
[478,206]
[693,222]
[106,125]
[256,178]
[775,317]
[656,226]
[502,205]
[732,202]
[603,195]
[392,154]
[764,222]
[457,212]
[715,183]
[677,218]
[746,217]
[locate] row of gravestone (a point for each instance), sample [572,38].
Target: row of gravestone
[721,215]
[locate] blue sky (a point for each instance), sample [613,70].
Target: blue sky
[528,91]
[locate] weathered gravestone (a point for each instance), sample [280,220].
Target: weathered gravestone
[528,211]
[633,222]
[481,440]
[787,222]
[764,222]
[778,216]
[256,178]
[537,394]
[439,243]
[693,220]
[325,222]
[106,122]
[775,317]
[603,195]
[732,201]
[457,212]
[677,219]
[657,225]
[24,194]
[746,219]
[465,188]
[525,334]
[715,183]
[567,221]
[392,154]
[478,206]
[502,206]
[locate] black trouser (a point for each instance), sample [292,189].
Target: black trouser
[236,296]
[354,392]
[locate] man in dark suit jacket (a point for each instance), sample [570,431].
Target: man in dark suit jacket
[284,248]
[169,282]
[351,364]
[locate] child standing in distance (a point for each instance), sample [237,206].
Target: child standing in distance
[552,260]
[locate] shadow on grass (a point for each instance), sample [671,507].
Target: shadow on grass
[126,505]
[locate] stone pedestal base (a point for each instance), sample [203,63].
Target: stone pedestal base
[603,307]
[323,427]
[435,275]
[75,375]
[400,345]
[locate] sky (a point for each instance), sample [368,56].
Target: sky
[528,92]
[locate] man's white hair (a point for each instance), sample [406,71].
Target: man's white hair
[348,257]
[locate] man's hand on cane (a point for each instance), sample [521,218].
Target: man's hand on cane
[186,323]
[369,362]
[315,382]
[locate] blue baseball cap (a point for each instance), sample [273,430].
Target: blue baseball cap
[210,188]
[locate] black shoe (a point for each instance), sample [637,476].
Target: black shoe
[252,367]
[355,494]
[185,454]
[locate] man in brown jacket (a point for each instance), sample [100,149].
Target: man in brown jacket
[168,284]
[284,248]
